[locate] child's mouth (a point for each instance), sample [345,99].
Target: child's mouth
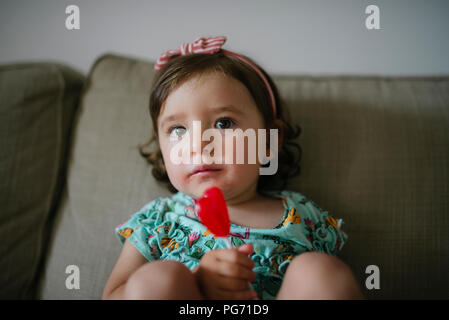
[204,170]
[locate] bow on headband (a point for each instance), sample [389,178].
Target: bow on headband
[212,45]
[200,45]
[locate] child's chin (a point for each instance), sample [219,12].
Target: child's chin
[203,187]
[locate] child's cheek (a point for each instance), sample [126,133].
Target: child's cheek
[176,176]
[240,149]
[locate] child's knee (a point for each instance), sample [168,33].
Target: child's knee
[156,279]
[327,275]
[317,262]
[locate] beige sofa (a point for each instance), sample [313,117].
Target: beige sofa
[375,153]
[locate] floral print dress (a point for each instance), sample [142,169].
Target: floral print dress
[169,228]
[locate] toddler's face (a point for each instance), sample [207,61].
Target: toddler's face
[219,102]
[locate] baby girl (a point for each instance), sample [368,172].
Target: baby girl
[285,245]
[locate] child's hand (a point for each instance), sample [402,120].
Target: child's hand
[225,273]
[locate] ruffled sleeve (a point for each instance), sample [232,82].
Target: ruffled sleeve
[323,231]
[139,229]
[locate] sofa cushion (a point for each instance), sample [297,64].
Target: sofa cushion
[375,153]
[107,178]
[37,103]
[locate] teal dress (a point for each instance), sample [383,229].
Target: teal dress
[169,229]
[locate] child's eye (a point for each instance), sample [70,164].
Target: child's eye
[177,131]
[224,123]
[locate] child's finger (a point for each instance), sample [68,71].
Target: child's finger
[246,248]
[237,257]
[234,270]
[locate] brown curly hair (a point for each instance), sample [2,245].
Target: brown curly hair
[181,69]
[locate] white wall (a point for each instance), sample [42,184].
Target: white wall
[314,36]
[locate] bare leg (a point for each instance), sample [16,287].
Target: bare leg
[313,276]
[162,280]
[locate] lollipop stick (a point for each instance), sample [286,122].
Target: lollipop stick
[230,246]
[229,243]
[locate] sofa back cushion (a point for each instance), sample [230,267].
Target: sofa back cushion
[37,104]
[107,178]
[376,153]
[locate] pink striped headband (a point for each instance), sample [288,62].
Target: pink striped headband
[212,45]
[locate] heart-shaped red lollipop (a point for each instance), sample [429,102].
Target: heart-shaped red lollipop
[213,212]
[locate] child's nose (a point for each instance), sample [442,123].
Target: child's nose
[206,147]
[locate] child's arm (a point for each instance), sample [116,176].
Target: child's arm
[129,261]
